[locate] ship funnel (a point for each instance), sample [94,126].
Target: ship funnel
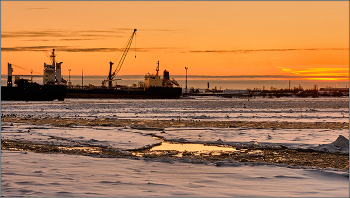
[58,73]
[166,75]
[9,75]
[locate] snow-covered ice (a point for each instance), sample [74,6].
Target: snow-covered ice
[131,138]
[49,175]
[218,109]
[115,137]
[32,174]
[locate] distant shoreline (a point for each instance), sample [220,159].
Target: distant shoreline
[200,82]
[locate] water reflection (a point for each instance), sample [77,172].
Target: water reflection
[181,147]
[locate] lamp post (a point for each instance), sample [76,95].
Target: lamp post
[82,78]
[186,78]
[31,78]
[69,83]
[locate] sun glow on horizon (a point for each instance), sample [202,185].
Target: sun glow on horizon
[328,79]
[329,74]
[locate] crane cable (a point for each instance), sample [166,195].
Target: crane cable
[121,61]
[120,50]
[119,53]
[25,69]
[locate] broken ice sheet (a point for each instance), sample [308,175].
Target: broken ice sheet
[115,137]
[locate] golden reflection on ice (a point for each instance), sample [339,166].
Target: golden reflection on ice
[166,146]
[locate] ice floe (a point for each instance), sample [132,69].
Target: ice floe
[341,144]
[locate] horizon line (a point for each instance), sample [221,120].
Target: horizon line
[216,76]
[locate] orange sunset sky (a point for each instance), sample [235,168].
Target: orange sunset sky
[303,40]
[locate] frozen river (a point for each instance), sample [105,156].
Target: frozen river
[35,174]
[199,108]
[49,175]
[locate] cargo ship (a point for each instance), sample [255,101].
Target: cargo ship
[154,87]
[53,87]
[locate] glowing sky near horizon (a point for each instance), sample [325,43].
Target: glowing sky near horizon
[294,38]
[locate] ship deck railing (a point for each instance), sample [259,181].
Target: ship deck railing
[104,87]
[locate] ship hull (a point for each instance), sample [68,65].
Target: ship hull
[149,93]
[38,93]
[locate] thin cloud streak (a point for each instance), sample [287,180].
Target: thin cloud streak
[61,33]
[80,49]
[26,34]
[115,32]
[77,39]
[263,50]
[38,8]
[74,49]
[257,76]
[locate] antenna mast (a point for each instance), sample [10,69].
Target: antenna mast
[157,69]
[53,57]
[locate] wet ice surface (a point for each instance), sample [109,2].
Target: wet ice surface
[48,175]
[115,137]
[292,138]
[33,174]
[129,138]
[206,108]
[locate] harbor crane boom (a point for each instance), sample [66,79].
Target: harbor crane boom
[121,61]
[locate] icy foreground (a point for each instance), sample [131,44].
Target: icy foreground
[73,175]
[49,175]
[127,138]
[26,173]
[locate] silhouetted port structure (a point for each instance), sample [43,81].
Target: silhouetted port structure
[295,92]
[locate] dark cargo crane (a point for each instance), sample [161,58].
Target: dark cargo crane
[121,61]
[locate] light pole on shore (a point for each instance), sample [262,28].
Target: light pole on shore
[82,78]
[69,83]
[186,78]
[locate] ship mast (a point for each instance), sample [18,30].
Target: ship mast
[53,57]
[157,69]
